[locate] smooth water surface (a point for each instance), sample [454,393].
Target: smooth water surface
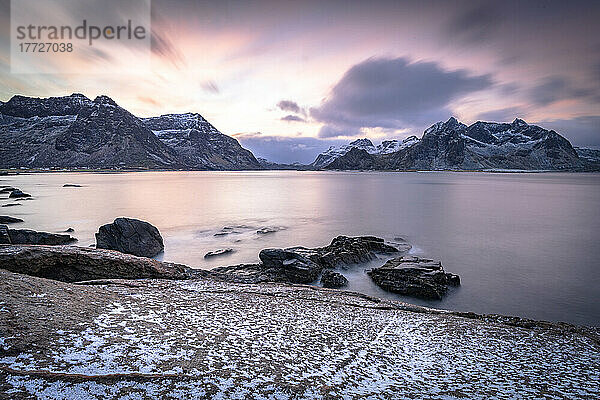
[523,244]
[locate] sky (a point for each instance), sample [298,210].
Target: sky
[290,78]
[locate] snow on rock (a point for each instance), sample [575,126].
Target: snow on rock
[386,147]
[170,339]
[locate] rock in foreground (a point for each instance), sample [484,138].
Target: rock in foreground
[333,280]
[415,277]
[205,339]
[304,265]
[5,219]
[28,236]
[131,236]
[72,264]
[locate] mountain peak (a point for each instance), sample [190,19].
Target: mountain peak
[361,143]
[519,122]
[103,99]
[452,123]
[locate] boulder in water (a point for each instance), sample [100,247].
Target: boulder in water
[131,236]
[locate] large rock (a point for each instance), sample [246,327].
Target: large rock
[130,236]
[5,219]
[345,250]
[332,279]
[304,265]
[72,264]
[289,266]
[18,194]
[415,277]
[28,236]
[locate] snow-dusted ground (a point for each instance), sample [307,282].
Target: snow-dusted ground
[207,339]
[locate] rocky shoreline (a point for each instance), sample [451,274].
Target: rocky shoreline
[81,322]
[203,337]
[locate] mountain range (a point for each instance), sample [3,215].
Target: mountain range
[452,145]
[77,132]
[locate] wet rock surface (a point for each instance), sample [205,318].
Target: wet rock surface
[304,265]
[18,194]
[209,339]
[72,264]
[415,277]
[5,219]
[219,252]
[28,236]
[333,280]
[131,236]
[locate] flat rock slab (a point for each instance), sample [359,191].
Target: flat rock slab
[414,276]
[209,339]
[72,264]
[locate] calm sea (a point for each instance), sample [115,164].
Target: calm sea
[523,244]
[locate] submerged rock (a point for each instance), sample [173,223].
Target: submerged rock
[7,189]
[5,219]
[28,236]
[18,194]
[130,236]
[332,279]
[415,277]
[266,230]
[219,252]
[72,264]
[304,265]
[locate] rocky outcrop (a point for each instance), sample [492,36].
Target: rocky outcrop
[5,219]
[333,280]
[28,236]
[28,107]
[414,277]
[304,265]
[131,236]
[17,193]
[72,264]
[219,252]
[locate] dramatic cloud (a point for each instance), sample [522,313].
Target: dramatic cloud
[288,105]
[475,25]
[286,150]
[551,90]
[392,93]
[507,114]
[581,131]
[293,118]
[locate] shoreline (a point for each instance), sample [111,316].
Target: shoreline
[209,338]
[14,172]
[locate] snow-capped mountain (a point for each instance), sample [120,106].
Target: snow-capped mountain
[74,131]
[199,143]
[392,146]
[482,145]
[590,155]
[386,147]
[331,154]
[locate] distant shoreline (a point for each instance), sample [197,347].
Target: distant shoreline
[13,172]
